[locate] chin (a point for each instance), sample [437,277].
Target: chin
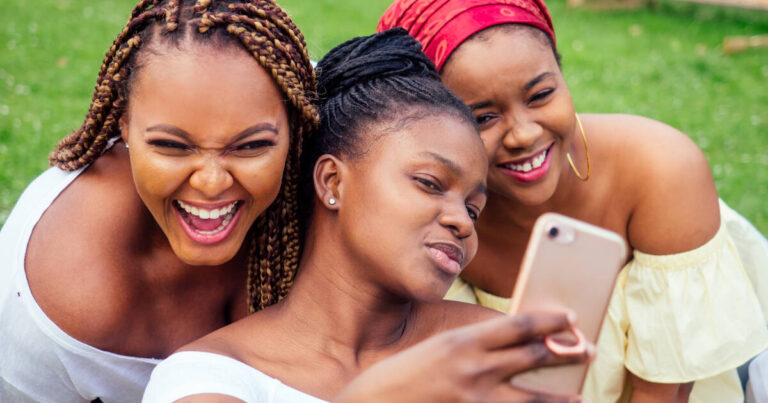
[205,256]
[534,195]
[431,292]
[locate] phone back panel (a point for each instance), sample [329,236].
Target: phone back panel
[572,267]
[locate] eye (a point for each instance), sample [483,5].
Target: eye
[169,144]
[251,148]
[473,215]
[541,95]
[484,119]
[430,185]
[255,145]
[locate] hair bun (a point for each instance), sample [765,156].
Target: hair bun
[363,59]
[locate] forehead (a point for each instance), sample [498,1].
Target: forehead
[445,135]
[204,78]
[495,56]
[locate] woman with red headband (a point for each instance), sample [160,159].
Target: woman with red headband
[684,313]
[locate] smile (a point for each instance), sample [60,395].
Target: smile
[531,168]
[448,257]
[207,225]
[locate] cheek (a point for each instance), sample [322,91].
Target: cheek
[472,244]
[156,177]
[261,178]
[384,209]
[492,142]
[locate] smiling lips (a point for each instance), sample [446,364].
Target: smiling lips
[207,225]
[448,257]
[529,169]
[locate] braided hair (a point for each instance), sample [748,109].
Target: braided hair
[382,81]
[266,32]
[379,79]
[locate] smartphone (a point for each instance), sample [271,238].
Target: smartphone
[568,265]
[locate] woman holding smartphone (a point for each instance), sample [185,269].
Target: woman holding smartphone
[399,180]
[173,211]
[684,308]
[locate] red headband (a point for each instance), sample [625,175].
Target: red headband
[442,25]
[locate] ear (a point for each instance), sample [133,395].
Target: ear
[328,180]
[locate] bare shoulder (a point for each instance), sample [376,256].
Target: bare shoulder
[674,200]
[76,251]
[236,340]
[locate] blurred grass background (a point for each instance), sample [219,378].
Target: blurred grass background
[664,62]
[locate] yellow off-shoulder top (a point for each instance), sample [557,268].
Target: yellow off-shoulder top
[691,316]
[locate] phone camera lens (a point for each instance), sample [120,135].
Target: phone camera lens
[553,231]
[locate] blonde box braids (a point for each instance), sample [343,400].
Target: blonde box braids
[270,36]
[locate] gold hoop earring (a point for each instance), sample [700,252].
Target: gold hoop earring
[586,148]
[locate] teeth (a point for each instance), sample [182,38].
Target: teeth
[219,228]
[208,214]
[530,165]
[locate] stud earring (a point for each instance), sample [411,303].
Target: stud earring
[332,201]
[127,146]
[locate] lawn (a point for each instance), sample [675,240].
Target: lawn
[664,62]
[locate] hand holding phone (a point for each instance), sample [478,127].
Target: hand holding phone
[569,265]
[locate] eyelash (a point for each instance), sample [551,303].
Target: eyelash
[429,184]
[541,95]
[169,144]
[252,145]
[483,119]
[473,215]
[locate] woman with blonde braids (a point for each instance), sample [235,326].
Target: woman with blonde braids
[178,190]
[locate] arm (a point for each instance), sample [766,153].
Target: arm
[469,364]
[677,210]
[649,392]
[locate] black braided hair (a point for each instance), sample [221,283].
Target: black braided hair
[381,81]
[381,78]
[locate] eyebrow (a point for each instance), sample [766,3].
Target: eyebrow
[479,105]
[453,167]
[171,129]
[537,80]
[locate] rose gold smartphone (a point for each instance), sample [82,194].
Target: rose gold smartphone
[568,265]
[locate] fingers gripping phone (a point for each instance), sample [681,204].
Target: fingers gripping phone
[569,265]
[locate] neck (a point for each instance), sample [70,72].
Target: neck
[342,312]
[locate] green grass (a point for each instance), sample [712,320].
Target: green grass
[663,62]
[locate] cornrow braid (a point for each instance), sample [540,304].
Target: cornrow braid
[265,31]
[378,78]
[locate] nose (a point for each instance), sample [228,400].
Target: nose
[211,178]
[456,218]
[522,132]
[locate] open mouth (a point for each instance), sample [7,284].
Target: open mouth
[207,225]
[448,257]
[529,169]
